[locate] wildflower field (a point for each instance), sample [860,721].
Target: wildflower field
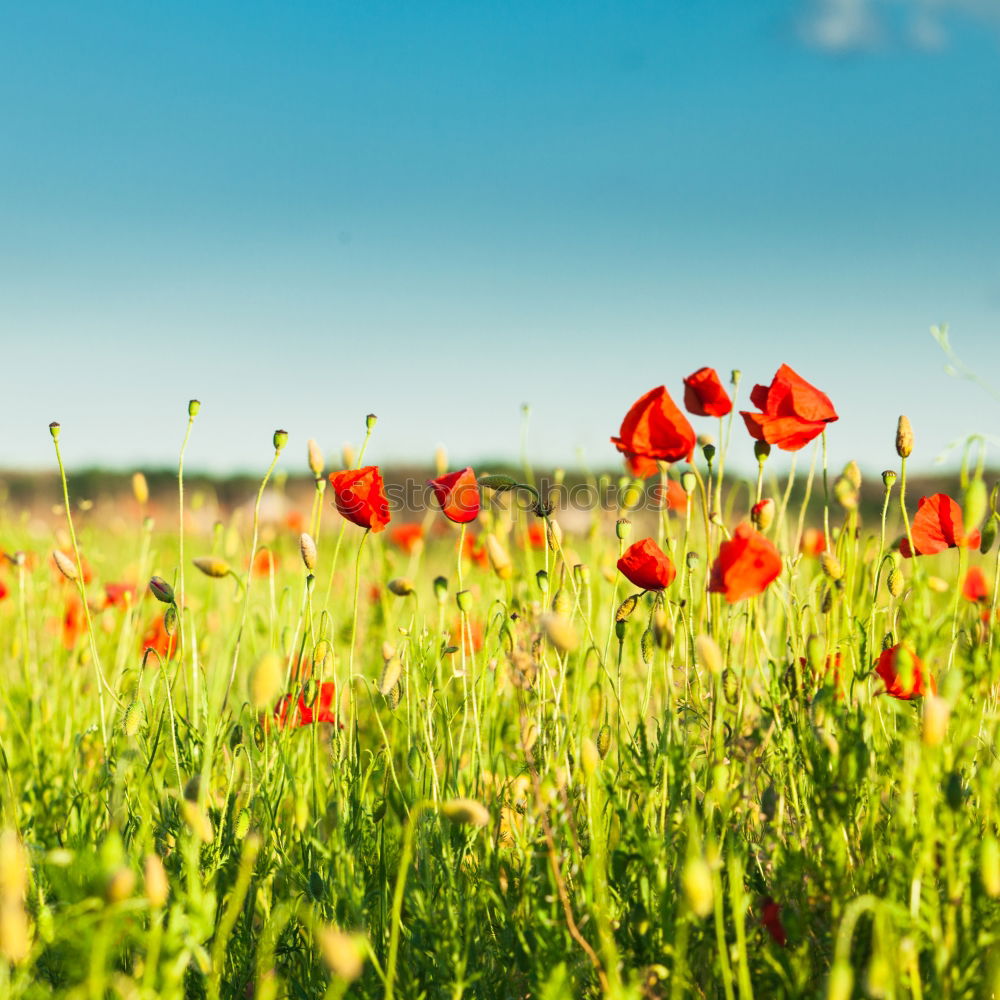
[679,734]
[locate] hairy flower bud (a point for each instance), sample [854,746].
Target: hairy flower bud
[316,462]
[140,488]
[161,590]
[904,437]
[307,548]
[212,566]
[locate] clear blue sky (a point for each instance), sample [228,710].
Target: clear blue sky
[301,213]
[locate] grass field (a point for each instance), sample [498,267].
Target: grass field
[513,750]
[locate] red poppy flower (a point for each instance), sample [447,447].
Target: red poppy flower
[937,525]
[704,395]
[155,637]
[535,536]
[976,587]
[322,709]
[793,412]
[473,636]
[295,522]
[360,497]
[264,562]
[407,536]
[745,566]
[674,498]
[3,590]
[813,543]
[903,673]
[119,595]
[457,493]
[644,564]
[653,430]
[770,918]
[475,551]
[74,624]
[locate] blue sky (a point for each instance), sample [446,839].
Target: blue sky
[301,213]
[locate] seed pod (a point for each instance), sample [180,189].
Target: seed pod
[402,586]
[692,559]
[212,566]
[604,740]
[904,437]
[466,812]
[989,533]
[194,407]
[309,692]
[889,478]
[623,528]
[316,462]
[696,882]
[689,482]
[708,654]
[280,439]
[441,589]
[626,608]
[852,473]
[307,549]
[894,582]
[161,590]
[708,450]
[975,504]
[542,579]
[65,565]
[464,600]
[646,645]
[761,450]
[390,675]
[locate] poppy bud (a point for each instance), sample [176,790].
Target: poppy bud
[708,451]
[852,473]
[761,450]
[562,603]
[904,438]
[604,740]
[395,696]
[692,559]
[194,405]
[316,462]
[309,691]
[845,493]
[762,514]
[623,528]
[989,865]
[401,586]
[582,573]
[441,589]
[590,757]
[499,559]
[65,565]
[542,579]
[975,504]
[646,645]
[170,620]
[814,654]
[155,883]
[307,549]
[347,457]
[242,825]
[212,566]
[989,533]
[464,600]
[696,881]
[831,566]
[54,430]
[266,680]
[560,632]
[826,606]
[620,631]
[140,488]
[132,720]
[161,590]
[370,421]
[708,653]
[894,583]
[390,675]
[553,534]
[626,608]
[259,740]
[466,812]
[936,714]
[889,478]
